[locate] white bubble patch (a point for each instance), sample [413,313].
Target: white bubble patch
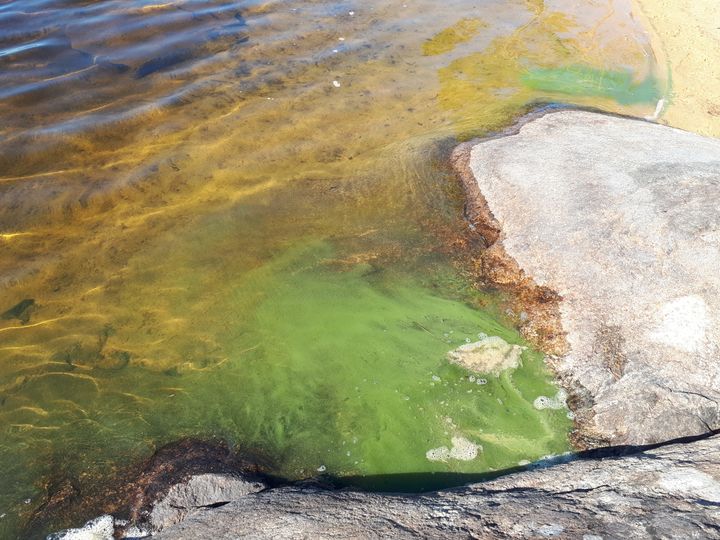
[491,354]
[557,402]
[101,528]
[461,450]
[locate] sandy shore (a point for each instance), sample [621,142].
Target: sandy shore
[686,35]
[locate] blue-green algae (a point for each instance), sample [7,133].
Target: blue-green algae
[345,371]
[325,368]
[586,81]
[241,249]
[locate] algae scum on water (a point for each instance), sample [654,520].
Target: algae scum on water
[324,366]
[354,366]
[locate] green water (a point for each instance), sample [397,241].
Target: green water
[325,366]
[586,81]
[353,364]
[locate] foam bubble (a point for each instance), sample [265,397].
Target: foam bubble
[462,450]
[491,354]
[101,528]
[557,402]
[438,454]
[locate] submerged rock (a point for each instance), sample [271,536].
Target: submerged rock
[20,311]
[155,492]
[620,218]
[491,354]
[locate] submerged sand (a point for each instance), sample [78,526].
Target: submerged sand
[686,35]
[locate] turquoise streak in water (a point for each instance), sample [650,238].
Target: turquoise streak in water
[581,80]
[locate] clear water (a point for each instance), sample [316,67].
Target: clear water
[236,220]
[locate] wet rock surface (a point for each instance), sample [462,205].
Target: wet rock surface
[154,493]
[620,218]
[667,492]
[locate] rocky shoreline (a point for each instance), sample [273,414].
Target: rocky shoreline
[615,217]
[666,491]
[618,270]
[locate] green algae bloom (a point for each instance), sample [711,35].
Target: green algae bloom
[587,81]
[546,60]
[354,363]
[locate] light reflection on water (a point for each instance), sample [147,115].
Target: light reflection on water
[226,213]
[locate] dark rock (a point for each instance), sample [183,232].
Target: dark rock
[164,62]
[20,311]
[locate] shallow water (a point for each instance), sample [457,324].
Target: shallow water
[236,219]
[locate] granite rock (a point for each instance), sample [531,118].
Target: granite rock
[620,218]
[202,490]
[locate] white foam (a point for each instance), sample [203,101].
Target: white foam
[557,402]
[101,528]
[658,111]
[490,354]
[461,450]
[438,454]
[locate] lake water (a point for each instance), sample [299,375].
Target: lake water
[237,220]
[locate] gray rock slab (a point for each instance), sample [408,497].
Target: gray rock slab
[669,492]
[198,491]
[621,218]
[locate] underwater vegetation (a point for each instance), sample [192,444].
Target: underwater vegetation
[445,41]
